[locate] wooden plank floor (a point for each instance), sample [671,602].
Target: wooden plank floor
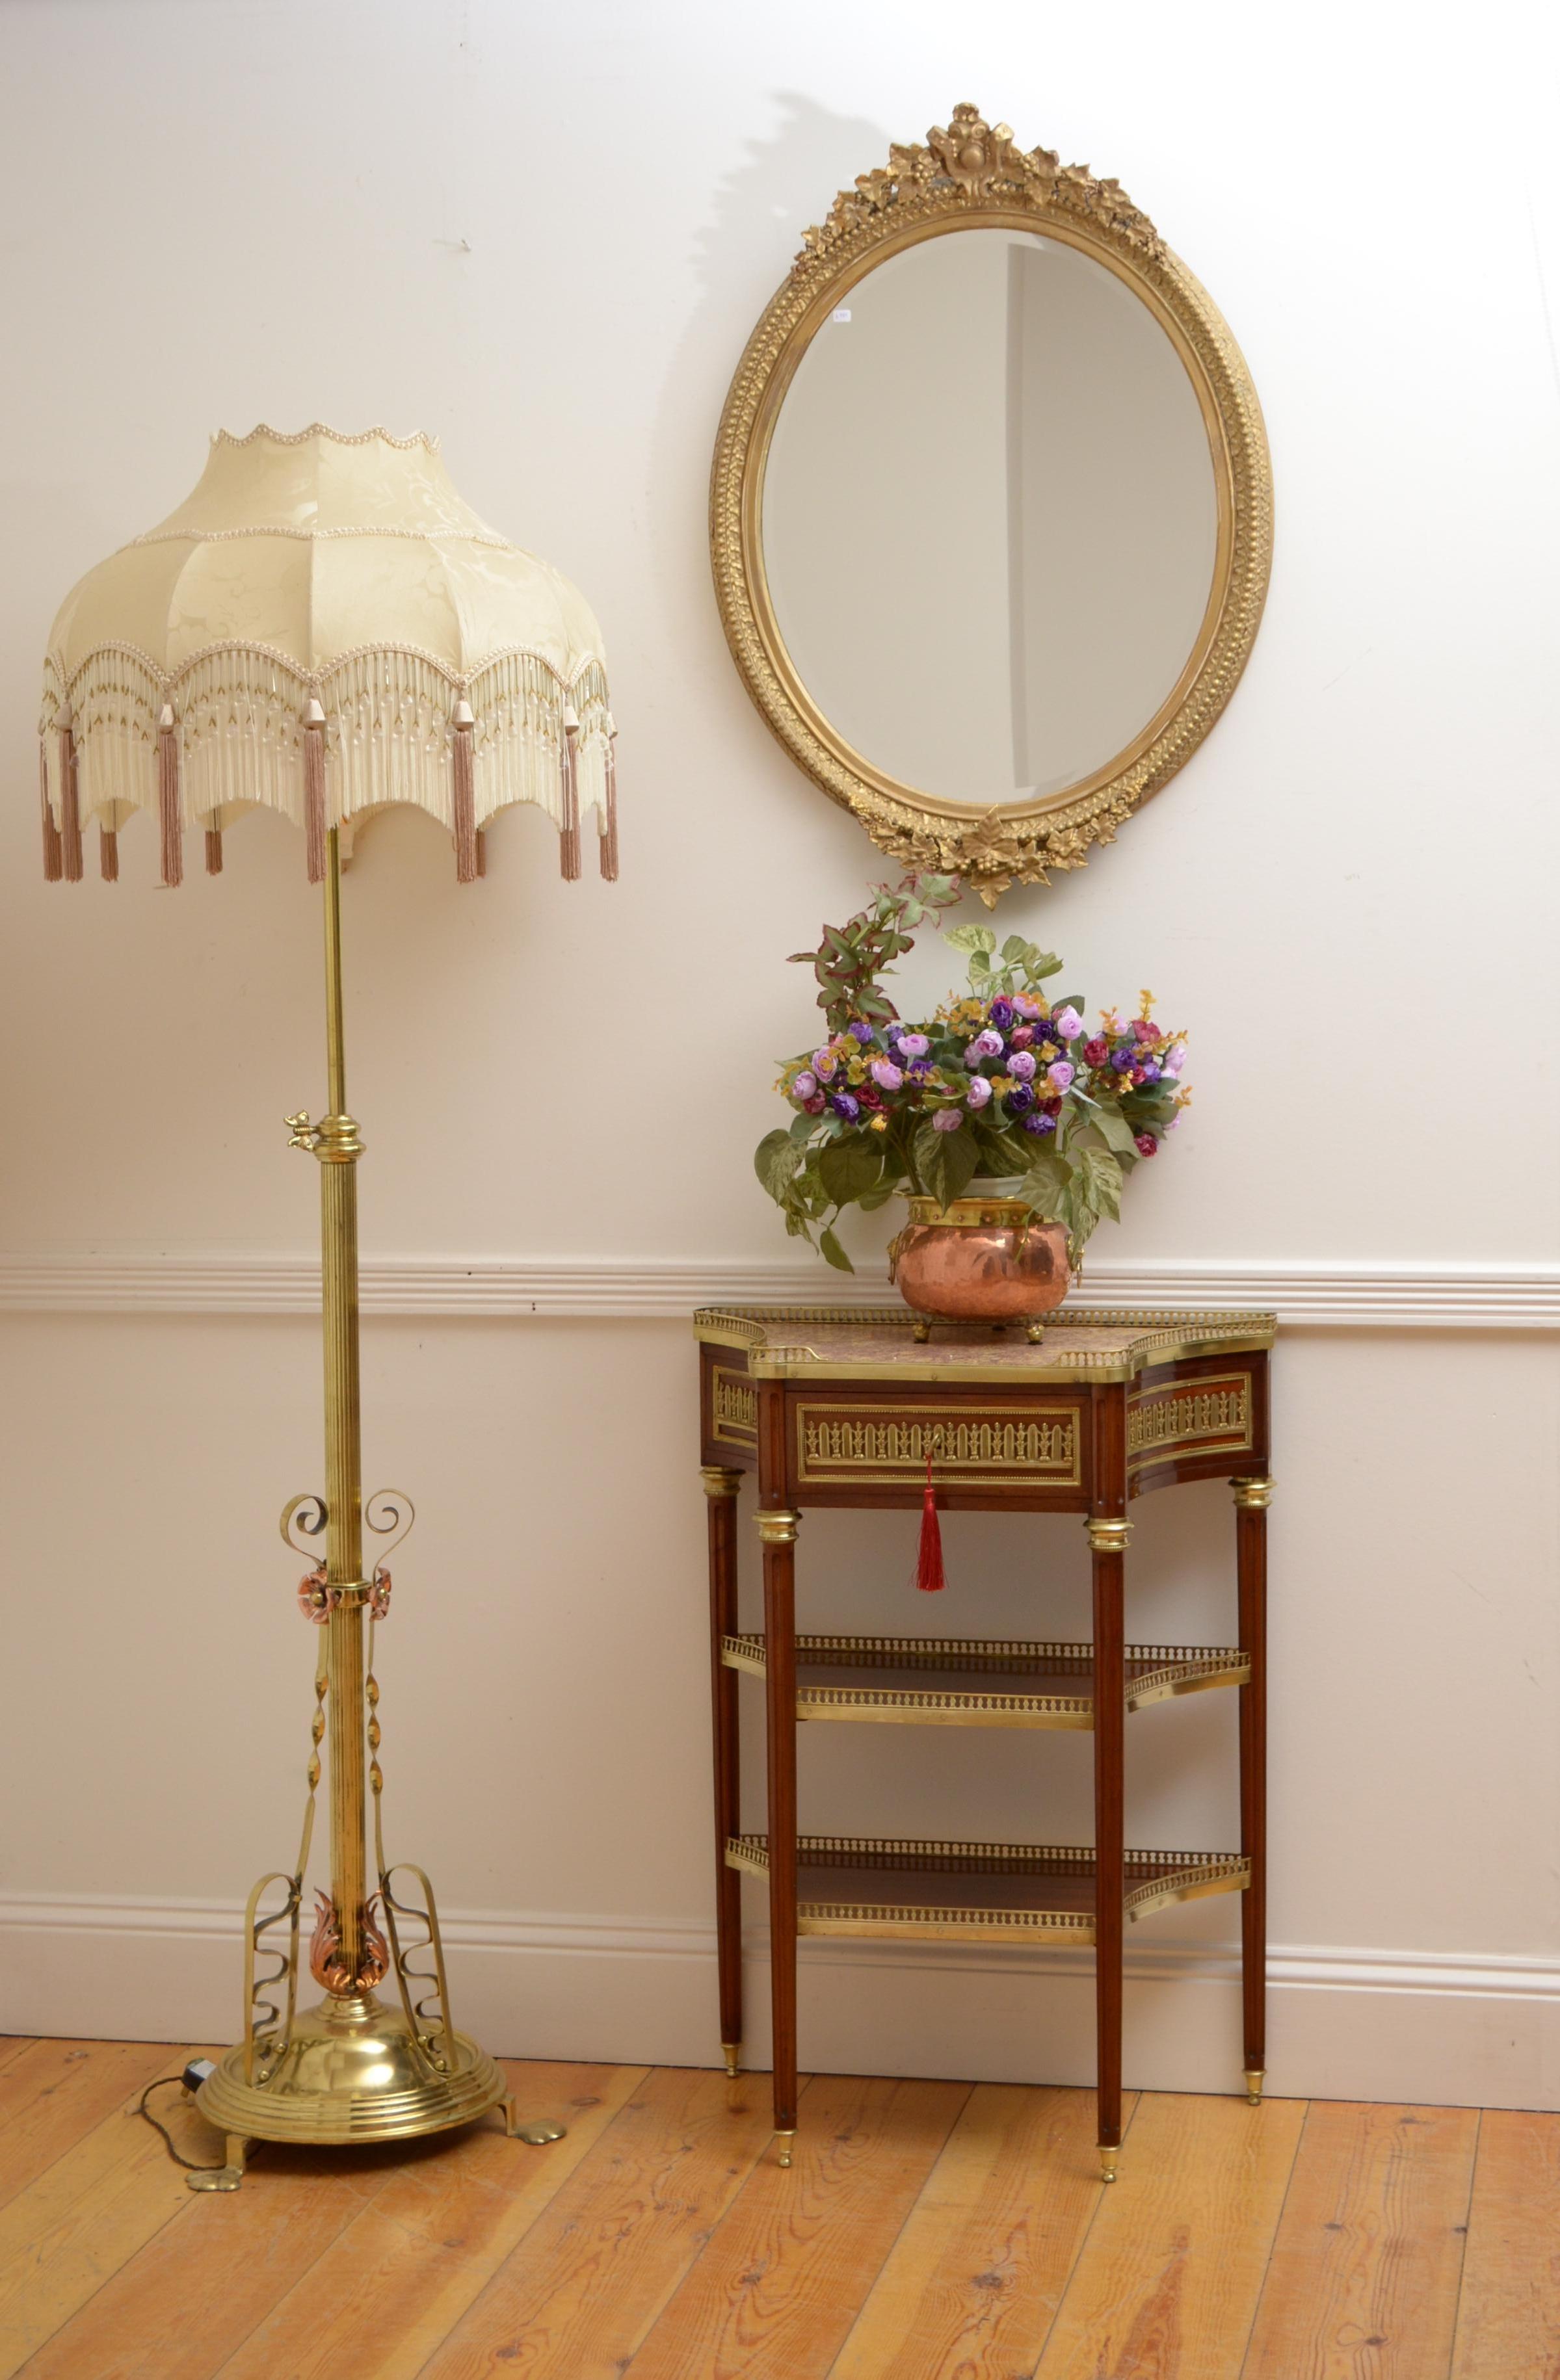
[926,2231]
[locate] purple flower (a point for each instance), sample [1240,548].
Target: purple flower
[885,1073]
[919,1070]
[1060,1074]
[1068,1024]
[1151,1070]
[824,1062]
[914,1045]
[979,1091]
[1022,1064]
[990,1043]
[804,1085]
[858,1026]
[1039,1121]
[1124,1055]
[946,1120]
[844,1105]
[1001,1013]
[1175,1058]
[1019,1100]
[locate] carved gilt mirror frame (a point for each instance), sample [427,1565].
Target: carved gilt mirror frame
[973,175]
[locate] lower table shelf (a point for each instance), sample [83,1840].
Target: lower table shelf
[926,1891]
[978,1682]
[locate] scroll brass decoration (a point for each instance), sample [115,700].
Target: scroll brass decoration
[734,1408]
[970,173]
[994,1445]
[1187,1417]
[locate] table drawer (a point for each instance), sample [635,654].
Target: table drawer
[996,1444]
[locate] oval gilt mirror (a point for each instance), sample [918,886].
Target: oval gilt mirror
[990,516]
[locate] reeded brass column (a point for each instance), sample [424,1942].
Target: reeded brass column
[338,1148]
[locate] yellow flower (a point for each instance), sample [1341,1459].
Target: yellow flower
[880,1124]
[1145,1003]
[857,1070]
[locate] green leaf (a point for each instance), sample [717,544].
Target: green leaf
[872,1199]
[830,1249]
[775,1160]
[945,1163]
[801,1126]
[1110,1125]
[850,1166]
[1045,963]
[971,937]
[1015,947]
[1100,1180]
[1046,1185]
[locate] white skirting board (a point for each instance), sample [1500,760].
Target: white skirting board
[1369,1296]
[1444,2029]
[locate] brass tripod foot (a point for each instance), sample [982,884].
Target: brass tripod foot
[538,2134]
[783,2146]
[1034,1332]
[920,1331]
[1107,2162]
[222,2177]
[732,2052]
[1255,2077]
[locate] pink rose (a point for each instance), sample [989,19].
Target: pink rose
[989,1042]
[804,1087]
[1174,1059]
[1060,1074]
[1147,1145]
[1020,1037]
[887,1072]
[1068,1024]
[914,1045]
[946,1120]
[1021,1065]
[979,1091]
[824,1064]
[1144,1029]
[1097,1051]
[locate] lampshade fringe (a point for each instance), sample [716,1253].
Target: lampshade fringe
[568,758]
[609,836]
[314,790]
[69,806]
[54,857]
[169,819]
[468,849]
[213,851]
[108,855]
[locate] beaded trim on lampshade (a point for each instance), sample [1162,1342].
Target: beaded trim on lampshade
[326,598]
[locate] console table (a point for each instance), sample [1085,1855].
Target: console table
[845,1407]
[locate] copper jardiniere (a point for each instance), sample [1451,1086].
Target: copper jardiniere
[979,1260]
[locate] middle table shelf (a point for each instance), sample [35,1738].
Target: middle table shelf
[979,1682]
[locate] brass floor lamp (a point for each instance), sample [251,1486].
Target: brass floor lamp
[322,628]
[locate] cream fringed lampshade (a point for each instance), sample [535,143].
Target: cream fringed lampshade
[316,574]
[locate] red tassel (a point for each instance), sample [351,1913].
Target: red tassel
[213,851]
[168,798]
[568,842]
[609,840]
[930,1575]
[314,791]
[54,858]
[108,855]
[71,806]
[468,852]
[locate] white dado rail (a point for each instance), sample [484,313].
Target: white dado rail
[1369,1296]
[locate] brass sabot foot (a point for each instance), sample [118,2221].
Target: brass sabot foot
[1255,2077]
[539,2134]
[1107,2163]
[732,2052]
[222,2177]
[783,2142]
[353,2070]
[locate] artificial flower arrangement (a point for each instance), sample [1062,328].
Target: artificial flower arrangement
[1002,1083]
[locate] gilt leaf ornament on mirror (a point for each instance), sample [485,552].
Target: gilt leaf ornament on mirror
[991,517]
[333,581]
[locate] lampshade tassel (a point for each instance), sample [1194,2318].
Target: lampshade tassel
[69,806]
[314,790]
[609,840]
[170,821]
[568,840]
[468,853]
[930,1575]
[213,851]
[108,855]
[54,858]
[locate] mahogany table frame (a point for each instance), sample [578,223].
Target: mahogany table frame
[1146,1392]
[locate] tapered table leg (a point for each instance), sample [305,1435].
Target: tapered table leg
[721,1488]
[778,1530]
[1252,1498]
[1107,1539]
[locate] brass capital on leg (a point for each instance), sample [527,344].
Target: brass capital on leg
[718,1481]
[1251,1495]
[778,1528]
[1108,1537]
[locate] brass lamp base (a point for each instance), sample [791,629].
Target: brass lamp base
[351,2073]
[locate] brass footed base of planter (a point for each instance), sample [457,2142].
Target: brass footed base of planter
[352,2072]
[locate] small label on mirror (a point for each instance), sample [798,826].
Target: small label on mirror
[840,314]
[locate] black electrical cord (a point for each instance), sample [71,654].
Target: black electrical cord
[157,2125]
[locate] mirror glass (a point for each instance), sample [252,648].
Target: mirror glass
[989,516]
